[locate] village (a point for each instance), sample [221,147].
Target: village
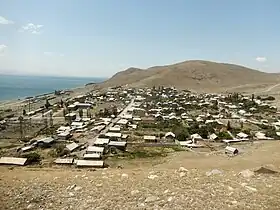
[99,127]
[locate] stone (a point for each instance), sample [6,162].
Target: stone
[134,192]
[151,199]
[251,189]
[71,187]
[182,174]
[77,188]
[182,169]
[125,176]
[170,199]
[166,191]
[71,194]
[213,172]
[230,188]
[29,206]
[247,173]
[152,176]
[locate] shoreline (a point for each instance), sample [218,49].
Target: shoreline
[4,102]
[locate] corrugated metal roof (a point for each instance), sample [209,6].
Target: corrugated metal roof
[90,163]
[13,161]
[64,161]
[72,146]
[95,149]
[92,156]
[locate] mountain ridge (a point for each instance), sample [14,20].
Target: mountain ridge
[193,74]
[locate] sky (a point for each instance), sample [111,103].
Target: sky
[97,38]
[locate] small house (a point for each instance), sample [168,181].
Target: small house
[95,150]
[90,163]
[150,139]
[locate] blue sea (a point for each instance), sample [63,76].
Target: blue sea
[14,87]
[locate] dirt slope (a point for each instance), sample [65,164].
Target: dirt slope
[195,75]
[150,184]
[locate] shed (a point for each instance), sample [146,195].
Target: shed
[90,163]
[231,150]
[13,161]
[67,161]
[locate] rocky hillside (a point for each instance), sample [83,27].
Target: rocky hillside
[195,75]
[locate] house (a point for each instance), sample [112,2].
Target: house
[231,150]
[98,128]
[27,148]
[115,129]
[122,122]
[242,135]
[90,163]
[64,135]
[113,135]
[261,136]
[13,161]
[71,116]
[95,149]
[213,137]
[196,137]
[118,144]
[101,141]
[45,142]
[71,147]
[150,139]
[72,107]
[77,125]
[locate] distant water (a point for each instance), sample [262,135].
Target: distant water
[14,87]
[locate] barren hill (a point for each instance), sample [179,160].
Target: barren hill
[195,75]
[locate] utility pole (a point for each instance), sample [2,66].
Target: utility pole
[21,127]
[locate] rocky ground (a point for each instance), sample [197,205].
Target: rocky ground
[184,180]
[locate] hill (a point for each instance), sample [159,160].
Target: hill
[194,75]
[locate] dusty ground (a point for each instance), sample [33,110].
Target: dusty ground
[150,184]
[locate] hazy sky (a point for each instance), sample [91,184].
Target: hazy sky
[102,37]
